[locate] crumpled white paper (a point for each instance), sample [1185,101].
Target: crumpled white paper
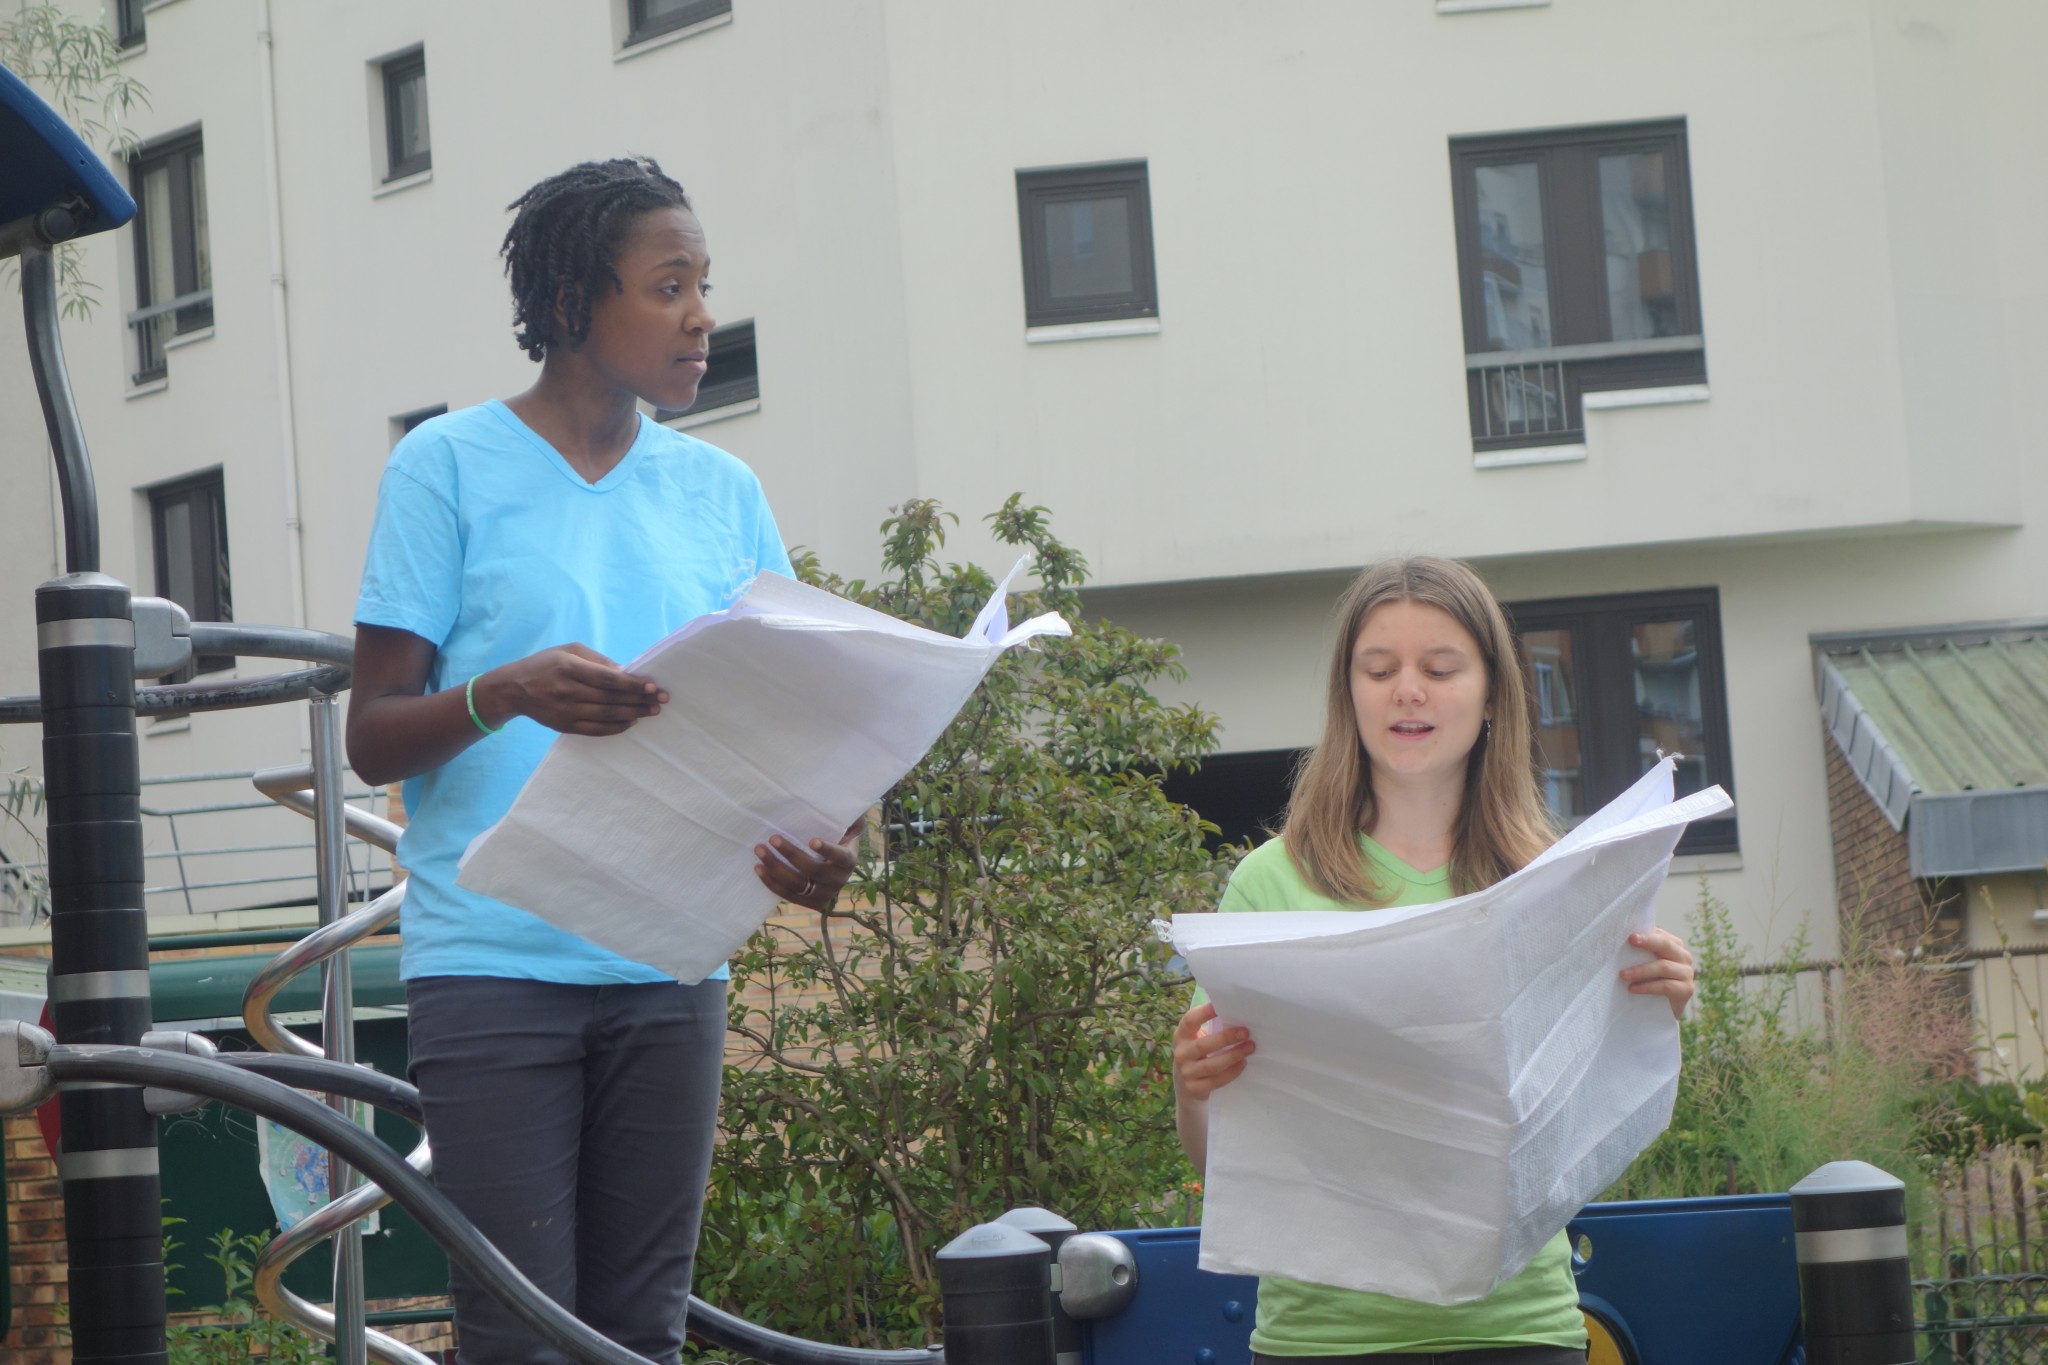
[1438,1089]
[791,712]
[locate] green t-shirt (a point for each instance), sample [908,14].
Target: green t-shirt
[1539,1307]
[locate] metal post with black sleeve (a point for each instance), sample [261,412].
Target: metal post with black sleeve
[1855,1285]
[56,189]
[995,1285]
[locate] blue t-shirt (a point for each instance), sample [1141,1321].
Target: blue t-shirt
[491,547]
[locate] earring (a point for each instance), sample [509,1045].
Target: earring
[1486,729]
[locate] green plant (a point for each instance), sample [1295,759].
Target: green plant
[1762,1102]
[23,890]
[982,1023]
[76,66]
[236,1330]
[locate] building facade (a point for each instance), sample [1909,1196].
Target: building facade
[1702,330]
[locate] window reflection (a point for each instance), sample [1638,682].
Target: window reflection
[1667,685]
[1513,277]
[1555,688]
[1088,243]
[1642,300]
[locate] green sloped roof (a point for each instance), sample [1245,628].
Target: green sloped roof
[1963,712]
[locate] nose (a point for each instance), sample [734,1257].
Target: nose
[698,321]
[1408,689]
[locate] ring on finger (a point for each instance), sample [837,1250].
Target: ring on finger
[811,887]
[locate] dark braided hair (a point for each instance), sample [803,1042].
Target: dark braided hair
[562,241]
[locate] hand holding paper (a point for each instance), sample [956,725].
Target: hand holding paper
[791,712]
[1437,1089]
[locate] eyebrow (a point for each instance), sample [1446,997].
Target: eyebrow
[1381,651]
[684,262]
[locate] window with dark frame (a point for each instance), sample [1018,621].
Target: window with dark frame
[651,18]
[408,149]
[129,30]
[1578,271]
[1614,682]
[732,374]
[406,421]
[1244,795]
[1087,239]
[173,267]
[189,526]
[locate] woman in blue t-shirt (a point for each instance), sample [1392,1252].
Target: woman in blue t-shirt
[1422,787]
[520,547]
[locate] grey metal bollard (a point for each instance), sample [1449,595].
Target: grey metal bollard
[1855,1288]
[1051,1229]
[994,1284]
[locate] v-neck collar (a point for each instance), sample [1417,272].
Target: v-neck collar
[614,476]
[1403,869]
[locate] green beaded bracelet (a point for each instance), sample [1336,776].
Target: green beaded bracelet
[469,695]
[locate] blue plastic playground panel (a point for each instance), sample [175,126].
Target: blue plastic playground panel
[1676,1282]
[42,161]
[1694,1281]
[1180,1314]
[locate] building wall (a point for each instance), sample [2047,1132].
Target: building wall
[1866,186]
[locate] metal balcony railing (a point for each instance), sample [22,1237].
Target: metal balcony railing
[1532,397]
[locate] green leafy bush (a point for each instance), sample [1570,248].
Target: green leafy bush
[1762,1101]
[982,1023]
[236,1331]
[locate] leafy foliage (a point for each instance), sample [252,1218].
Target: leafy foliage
[1762,1103]
[237,1331]
[23,891]
[981,1025]
[75,66]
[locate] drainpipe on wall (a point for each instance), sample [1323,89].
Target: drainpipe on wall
[294,529]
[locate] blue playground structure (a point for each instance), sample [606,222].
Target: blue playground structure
[1693,1282]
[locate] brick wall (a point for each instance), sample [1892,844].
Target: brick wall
[1877,898]
[35,1235]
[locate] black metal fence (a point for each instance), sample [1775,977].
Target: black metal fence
[1982,1243]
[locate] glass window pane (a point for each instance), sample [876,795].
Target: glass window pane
[202,255]
[1635,216]
[222,605]
[1088,247]
[155,226]
[1668,714]
[654,10]
[1554,683]
[175,526]
[412,114]
[1513,280]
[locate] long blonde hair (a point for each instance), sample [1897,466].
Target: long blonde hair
[1503,822]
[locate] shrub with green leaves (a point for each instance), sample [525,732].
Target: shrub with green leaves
[981,1024]
[1762,1102]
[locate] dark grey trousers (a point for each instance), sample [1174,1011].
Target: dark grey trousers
[573,1125]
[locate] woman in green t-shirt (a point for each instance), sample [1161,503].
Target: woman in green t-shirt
[1424,786]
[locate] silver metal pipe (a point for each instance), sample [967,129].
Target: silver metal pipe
[337,1015]
[291,787]
[374,918]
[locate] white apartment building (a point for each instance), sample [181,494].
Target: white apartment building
[1702,329]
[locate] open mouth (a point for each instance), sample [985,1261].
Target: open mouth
[1412,728]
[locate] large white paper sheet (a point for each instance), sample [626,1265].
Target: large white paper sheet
[1438,1089]
[791,712]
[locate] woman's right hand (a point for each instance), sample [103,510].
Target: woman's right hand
[571,688]
[1206,1061]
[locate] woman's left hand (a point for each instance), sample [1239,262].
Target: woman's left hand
[1668,973]
[810,877]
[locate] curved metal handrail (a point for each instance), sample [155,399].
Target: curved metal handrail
[332,656]
[292,787]
[267,1275]
[309,952]
[292,1059]
[411,1191]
